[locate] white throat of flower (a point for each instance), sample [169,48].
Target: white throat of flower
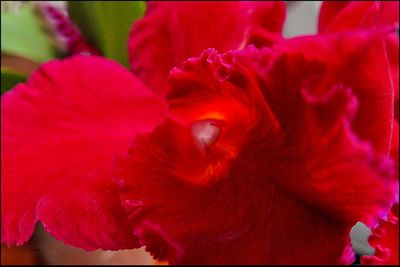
[205,133]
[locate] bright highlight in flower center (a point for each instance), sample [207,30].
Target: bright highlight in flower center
[205,133]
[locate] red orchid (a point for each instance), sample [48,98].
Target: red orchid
[62,128]
[267,153]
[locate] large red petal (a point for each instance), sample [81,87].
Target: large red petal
[171,32]
[231,199]
[59,133]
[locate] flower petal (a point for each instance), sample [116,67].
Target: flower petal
[226,222]
[392,49]
[229,221]
[234,202]
[346,15]
[385,239]
[338,16]
[354,59]
[60,132]
[171,32]
[333,108]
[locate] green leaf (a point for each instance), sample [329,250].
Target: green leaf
[9,79]
[106,25]
[21,35]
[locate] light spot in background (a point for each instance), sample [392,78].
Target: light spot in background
[301,18]
[359,239]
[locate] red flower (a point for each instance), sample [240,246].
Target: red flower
[266,155]
[62,128]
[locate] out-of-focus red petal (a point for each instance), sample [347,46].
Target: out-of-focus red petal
[59,133]
[259,188]
[385,240]
[172,32]
[346,15]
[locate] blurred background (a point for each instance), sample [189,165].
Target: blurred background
[32,33]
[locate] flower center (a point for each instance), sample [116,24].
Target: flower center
[205,133]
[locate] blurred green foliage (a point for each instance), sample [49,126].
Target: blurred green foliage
[22,35]
[106,25]
[9,79]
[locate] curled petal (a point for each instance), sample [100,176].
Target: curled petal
[350,15]
[357,60]
[340,117]
[385,239]
[171,32]
[336,16]
[60,132]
